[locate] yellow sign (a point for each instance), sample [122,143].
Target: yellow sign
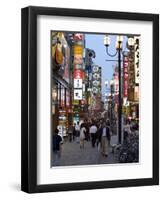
[126,110]
[75,102]
[78,49]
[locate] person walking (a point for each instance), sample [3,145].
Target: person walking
[74,133]
[82,135]
[93,131]
[70,132]
[57,143]
[86,125]
[127,127]
[104,138]
[98,135]
[77,131]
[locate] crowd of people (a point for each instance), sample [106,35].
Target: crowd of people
[98,132]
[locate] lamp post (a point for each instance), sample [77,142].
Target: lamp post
[130,45]
[111,101]
[118,51]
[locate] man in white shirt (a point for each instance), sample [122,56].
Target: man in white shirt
[93,131]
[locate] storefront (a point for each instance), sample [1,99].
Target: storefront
[61,107]
[61,82]
[134,103]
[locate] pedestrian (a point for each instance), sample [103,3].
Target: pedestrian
[82,135]
[70,132]
[104,139]
[93,131]
[77,131]
[125,136]
[74,133]
[88,132]
[86,125]
[57,143]
[127,127]
[98,134]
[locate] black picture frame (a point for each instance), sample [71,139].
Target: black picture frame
[29,99]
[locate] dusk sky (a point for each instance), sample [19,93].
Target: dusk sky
[96,43]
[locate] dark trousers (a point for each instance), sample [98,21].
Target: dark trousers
[70,137]
[93,137]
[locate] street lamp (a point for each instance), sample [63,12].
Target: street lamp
[130,43]
[111,100]
[118,51]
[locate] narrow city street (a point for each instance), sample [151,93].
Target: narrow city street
[95,94]
[72,154]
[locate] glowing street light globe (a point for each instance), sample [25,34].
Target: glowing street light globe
[107,40]
[131,42]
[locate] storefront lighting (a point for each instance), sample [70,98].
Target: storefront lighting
[65,46]
[54,94]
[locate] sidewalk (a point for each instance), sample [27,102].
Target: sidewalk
[73,155]
[114,139]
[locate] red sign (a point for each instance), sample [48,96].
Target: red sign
[78,36]
[78,74]
[125,76]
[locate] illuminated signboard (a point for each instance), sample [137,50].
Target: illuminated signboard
[125,76]
[78,83]
[78,94]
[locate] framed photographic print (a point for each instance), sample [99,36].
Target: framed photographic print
[90,99]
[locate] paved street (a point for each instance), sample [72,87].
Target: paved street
[73,155]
